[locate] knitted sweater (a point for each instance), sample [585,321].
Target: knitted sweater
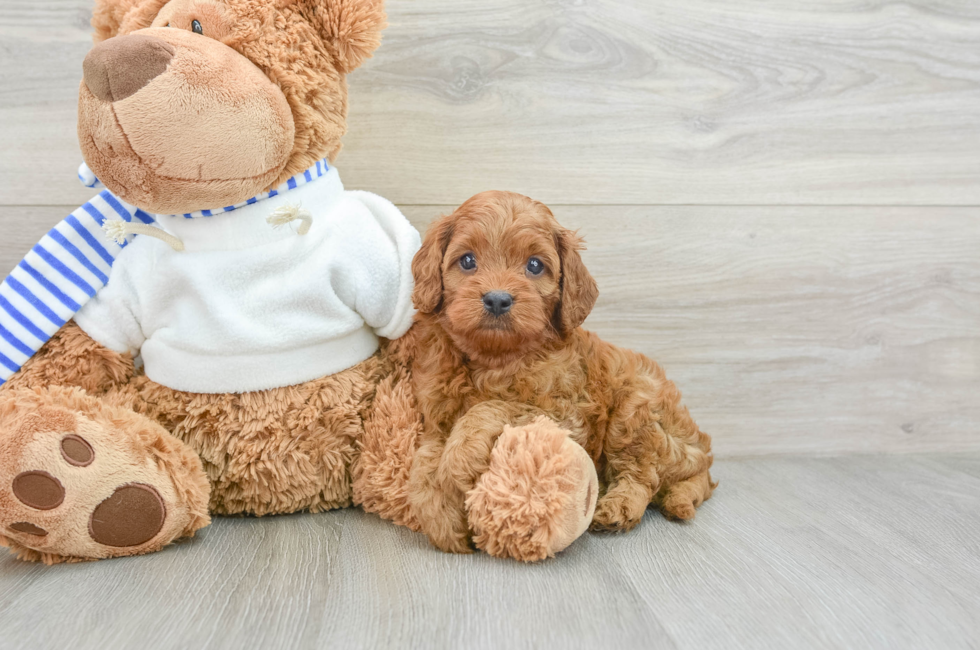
[248,305]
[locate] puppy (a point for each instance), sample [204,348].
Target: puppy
[501,292]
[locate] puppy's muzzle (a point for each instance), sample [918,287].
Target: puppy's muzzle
[497,303]
[119,67]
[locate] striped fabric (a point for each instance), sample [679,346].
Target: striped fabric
[72,262]
[311,174]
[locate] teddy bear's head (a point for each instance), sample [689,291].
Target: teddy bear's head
[199,104]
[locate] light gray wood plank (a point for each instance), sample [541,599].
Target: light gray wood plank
[261,581]
[869,552]
[414,596]
[607,101]
[42,45]
[859,552]
[789,330]
[22,226]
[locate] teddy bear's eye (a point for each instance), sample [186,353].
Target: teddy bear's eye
[467,262]
[196,27]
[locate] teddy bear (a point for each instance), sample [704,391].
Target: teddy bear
[216,332]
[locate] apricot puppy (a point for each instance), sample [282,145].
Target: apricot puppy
[502,292]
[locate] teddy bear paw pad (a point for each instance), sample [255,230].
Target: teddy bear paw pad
[133,515]
[38,490]
[98,514]
[74,486]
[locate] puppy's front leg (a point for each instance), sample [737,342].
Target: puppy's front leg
[440,512]
[444,472]
[467,453]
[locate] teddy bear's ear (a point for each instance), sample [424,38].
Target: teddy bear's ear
[108,15]
[113,17]
[351,27]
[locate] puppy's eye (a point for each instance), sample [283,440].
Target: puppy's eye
[196,27]
[467,262]
[535,266]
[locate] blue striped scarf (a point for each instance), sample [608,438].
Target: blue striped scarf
[72,262]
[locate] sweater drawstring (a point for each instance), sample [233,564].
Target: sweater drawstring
[118,230]
[281,216]
[288,213]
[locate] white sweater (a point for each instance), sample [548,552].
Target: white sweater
[248,306]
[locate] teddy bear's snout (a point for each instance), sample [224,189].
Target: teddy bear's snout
[119,67]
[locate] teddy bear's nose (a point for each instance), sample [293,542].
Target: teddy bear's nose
[118,67]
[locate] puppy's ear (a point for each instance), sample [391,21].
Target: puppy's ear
[427,265]
[578,288]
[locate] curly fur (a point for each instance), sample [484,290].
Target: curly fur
[616,403]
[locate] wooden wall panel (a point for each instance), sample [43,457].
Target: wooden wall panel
[600,102]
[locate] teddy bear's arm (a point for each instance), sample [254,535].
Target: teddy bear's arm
[112,316]
[72,358]
[381,267]
[95,350]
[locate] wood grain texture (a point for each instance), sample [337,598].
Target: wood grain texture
[790,553]
[599,101]
[789,330]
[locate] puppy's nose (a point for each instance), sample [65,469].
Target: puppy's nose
[118,67]
[497,303]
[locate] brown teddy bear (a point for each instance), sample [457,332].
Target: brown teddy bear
[202,337]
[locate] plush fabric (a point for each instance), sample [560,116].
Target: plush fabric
[97,459]
[302,48]
[247,306]
[127,449]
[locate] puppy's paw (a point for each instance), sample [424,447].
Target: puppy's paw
[453,544]
[441,517]
[678,510]
[446,536]
[616,513]
[681,499]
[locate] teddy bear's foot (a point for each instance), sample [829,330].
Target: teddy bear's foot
[538,495]
[81,479]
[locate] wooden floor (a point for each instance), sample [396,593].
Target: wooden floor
[782,203]
[857,552]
